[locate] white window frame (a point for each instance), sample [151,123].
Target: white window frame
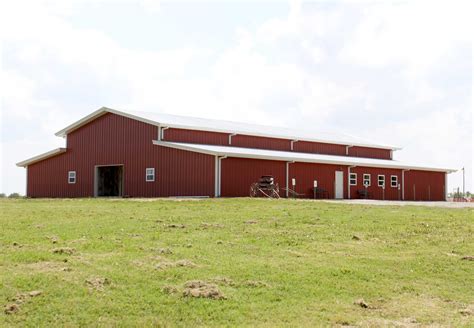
[392,181]
[353,179]
[364,178]
[150,172]
[383,180]
[71,177]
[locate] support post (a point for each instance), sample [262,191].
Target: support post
[163,132]
[216,176]
[287,177]
[292,142]
[230,137]
[349,181]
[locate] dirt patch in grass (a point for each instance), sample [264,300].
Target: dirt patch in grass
[176,225]
[19,299]
[467,258]
[64,250]
[255,284]
[402,323]
[11,308]
[223,281]
[295,253]
[97,283]
[206,225]
[180,263]
[363,304]
[45,266]
[169,290]
[165,250]
[202,289]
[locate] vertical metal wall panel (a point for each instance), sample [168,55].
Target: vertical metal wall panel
[113,139]
[319,148]
[239,173]
[424,185]
[247,141]
[196,136]
[306,173]
[368,152]
[376,192]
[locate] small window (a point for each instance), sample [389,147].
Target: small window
[381,180]
[150,174]
[366,179]
[353,179]
[394,181]
[71,177]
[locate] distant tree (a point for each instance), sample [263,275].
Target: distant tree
[14,195]
[2,195]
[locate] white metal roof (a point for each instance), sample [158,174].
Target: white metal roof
[41,157]
[195,123]
[296,157]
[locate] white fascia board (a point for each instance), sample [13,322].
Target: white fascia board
[101,111]
[187,147]
[41,157]
[295,157]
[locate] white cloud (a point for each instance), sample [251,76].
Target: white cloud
[414,34]
[367,71]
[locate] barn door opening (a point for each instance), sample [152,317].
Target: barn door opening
[109,181]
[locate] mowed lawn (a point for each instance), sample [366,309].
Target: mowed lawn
[270,263]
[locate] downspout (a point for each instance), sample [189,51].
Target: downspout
[287,176]
[291,143]
[403,184]
[159,133]
[347,149]
[349,181]
[230,137]
[163,131]
[220,173]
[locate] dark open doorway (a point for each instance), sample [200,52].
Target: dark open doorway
[109,181]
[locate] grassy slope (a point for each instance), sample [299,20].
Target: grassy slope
[407,265]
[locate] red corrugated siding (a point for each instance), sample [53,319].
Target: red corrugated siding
[239,173]
[369,152]
[246,141]
[376,192]
[113,139]
[319,148]
[306,173]
[195,136]
[424,185]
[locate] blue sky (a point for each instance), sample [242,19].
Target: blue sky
[394,72]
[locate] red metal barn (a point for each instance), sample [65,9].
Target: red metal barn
[123,153]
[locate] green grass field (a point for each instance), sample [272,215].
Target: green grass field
[271,263]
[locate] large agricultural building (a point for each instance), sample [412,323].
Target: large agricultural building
[137,154]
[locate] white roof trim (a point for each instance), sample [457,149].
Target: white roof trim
[295,156]
[41,157]
[197,125]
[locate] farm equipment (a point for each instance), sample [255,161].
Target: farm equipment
[265,186]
